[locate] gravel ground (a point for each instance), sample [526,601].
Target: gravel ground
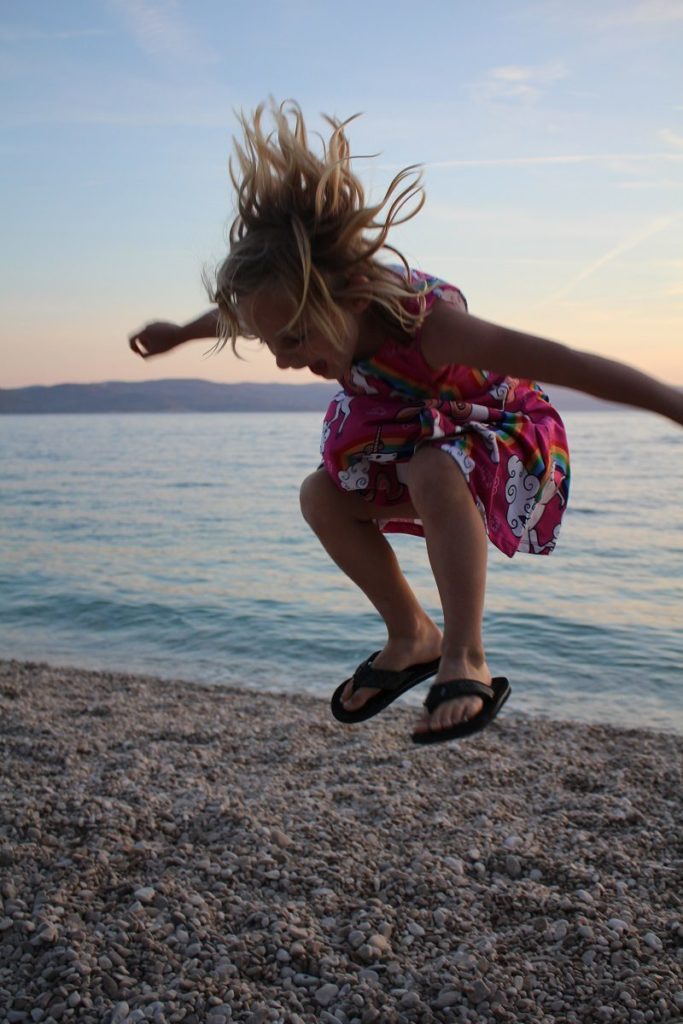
[174,852]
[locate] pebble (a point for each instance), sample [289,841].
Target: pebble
[513,866]
[110,987]
[480,991]
[409,1001]
[653,941]
[145,894]
[420,915]
[447,997]
[326,994]
[512,842]
[119,1013]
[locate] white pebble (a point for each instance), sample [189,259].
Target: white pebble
[146,894]
[512,842]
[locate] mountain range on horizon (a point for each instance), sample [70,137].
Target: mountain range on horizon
[194,395]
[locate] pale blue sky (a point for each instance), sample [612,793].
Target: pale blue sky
[551,134]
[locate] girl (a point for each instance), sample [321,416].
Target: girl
[438,429]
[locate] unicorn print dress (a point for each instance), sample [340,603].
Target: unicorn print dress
[503,433]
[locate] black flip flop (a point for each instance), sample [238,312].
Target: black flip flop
[392,684]
[494,696]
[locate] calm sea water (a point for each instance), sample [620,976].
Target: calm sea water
[173,545]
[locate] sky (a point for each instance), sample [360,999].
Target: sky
[551,136]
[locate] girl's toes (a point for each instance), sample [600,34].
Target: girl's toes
[358,699]
[458,711]
[422,724]
[352,700]
[466,710]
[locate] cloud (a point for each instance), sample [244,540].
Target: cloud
[652,11]
[513,82]
[671,138]
[20,35]
[567,158]
[653,183]
[605,17]
[159,30]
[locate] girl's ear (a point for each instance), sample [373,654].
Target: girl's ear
[361,304]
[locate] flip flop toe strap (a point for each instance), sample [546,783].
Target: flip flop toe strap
[440,692]
[378,678]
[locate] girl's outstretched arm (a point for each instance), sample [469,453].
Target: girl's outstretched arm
[452,336]
[160,336]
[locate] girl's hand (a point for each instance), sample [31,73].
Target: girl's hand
[156,338]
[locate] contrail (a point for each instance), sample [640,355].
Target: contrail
[660,224]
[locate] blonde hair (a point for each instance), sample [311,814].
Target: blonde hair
[303,224]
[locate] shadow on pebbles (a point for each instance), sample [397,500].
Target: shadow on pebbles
[175,852]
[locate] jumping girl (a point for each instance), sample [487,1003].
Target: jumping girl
[438,429]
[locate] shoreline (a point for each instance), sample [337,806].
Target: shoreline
[192,852]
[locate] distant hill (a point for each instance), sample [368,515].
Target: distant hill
[166,396]
[179,396]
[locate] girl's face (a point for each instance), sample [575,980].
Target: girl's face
[267,313]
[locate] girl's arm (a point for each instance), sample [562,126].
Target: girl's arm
[161,336]
[452,336]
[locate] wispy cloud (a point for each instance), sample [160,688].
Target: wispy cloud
[567,158]
[653,11]
[626,245]
[159,29]
[606,17]
[20,35]
[517,82]
[651,183]
[670,137]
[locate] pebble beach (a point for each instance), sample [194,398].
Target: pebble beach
[177,852]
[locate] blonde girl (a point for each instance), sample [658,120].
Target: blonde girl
[438,428]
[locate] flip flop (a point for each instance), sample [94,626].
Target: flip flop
[494,696]
[392,684]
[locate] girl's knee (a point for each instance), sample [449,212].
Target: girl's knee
[315,495]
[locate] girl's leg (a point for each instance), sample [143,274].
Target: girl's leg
[343,523]
[457,548]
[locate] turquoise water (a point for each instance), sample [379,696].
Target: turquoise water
[173,545]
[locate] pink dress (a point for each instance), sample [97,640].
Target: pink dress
[503,433]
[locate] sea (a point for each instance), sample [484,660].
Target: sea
[173,546]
